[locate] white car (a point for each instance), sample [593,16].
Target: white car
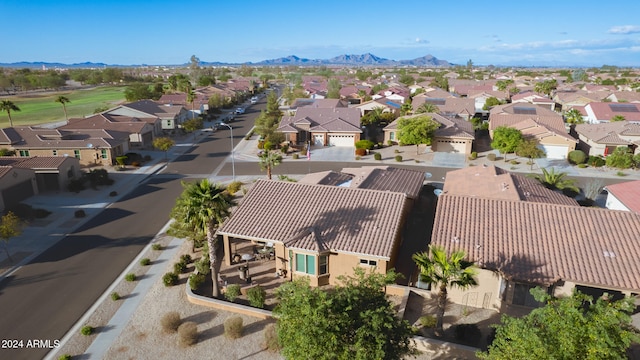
[240,110]
[254,99]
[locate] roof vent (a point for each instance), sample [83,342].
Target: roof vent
[610,254]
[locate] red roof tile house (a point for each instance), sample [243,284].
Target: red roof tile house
[319,231]
[604,138]
[536,122]
[599,112]
[624,196]
[532,238]
[453,135]
[336,126]
[140,130]
[171,116]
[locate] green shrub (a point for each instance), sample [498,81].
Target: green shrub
[396,151]
[186,258]
[365,144]
[268,145]
[491,156]
[284,149]
[582,166]
[87,330]
[474,155]
[620,173]
[188,333]
[156,247]
[130,277]
[514,162]
[596,161]
[295,156]
[232,293]
[145,261]
[577,157]
[203,266]
[377,156]
[361,152]
[115,296]
[64,357]
[233,327]
[398,158]
[271,338]
[256,296]
[195,280]
[170,321]
[179,267]
[170,279]
[234,187]
[428,321]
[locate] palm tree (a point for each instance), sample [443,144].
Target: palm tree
[573,116]
[63,100]
[191,97]
[268,160]
[203,206]
[427,107]
[436,268]
[556,180]
[9,106]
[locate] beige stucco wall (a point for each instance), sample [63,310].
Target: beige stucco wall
[14,177]
[88,156]
[486,295]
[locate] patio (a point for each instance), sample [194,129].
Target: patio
[252,265]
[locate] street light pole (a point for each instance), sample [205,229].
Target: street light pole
[233,164]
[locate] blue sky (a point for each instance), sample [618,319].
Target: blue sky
[543,33]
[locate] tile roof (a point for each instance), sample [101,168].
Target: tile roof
[387,178]
[496,183]
[543,243]
[42,162]
[332,119]
[607,110]
[42,138]
[330,177]
[341,219]
[450,127]
[610,133]
[628,193]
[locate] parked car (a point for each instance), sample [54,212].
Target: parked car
[254,99]
[240,110]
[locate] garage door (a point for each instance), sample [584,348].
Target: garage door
[555,151]
[451,146]
[15,194]
[341,140]
[318,140]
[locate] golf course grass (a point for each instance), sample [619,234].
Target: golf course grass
[40,108]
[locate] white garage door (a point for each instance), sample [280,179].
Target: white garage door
[341,140]
[451,146]
[318,140]
[555,151]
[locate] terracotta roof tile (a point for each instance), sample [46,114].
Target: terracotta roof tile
[628,193]
[543,243]
[343,219]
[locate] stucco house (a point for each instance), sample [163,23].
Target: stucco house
[328,224]
[453,135]
[171,116]
[624,196]
[599,112]
[602,139]
[333,126]
[141,130]
[536,122]
[90,147]
[533,238]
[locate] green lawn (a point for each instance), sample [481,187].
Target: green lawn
[42,108]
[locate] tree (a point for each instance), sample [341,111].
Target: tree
[137,92]
[10,227]
[417,130]
[556,180]
[268,160]
[573,116]
[163,144]
[438,269]
[506,139]
[615,118]
[427,107]
[9,106]
[530,149]
[620,158]
[63,100]
[191,98]
[333,89]
[491,102]
[546,87]
[353,321]
[203,206]
[574,327]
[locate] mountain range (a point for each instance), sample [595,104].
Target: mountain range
[349,60]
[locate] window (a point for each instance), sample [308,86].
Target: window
[392,135]
[76,153]
[306,264]
[24,153]
[322,264]
[367,262]
[522,296]
[104,153]
[55,152]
